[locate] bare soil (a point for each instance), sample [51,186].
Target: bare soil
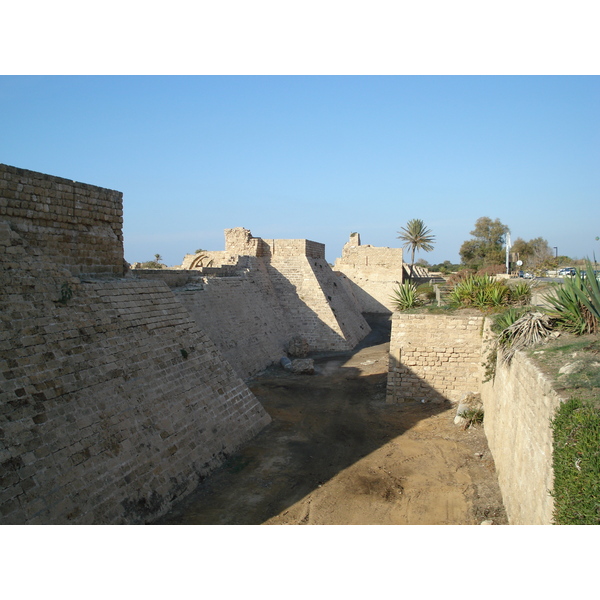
[336,453]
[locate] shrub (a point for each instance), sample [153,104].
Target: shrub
[530,329]
[480,291]
[576,463]
[520,293]
[405,296]
[575,304]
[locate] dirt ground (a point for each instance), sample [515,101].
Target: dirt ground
[336,453]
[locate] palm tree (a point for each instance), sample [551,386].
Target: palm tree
[416,237]
[157,258]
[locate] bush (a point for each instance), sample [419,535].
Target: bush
[576,303]
[480,291]
[405,296]
[576,463]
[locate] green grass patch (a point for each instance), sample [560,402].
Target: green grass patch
[576,463]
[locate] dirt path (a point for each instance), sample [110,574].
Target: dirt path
[336,453]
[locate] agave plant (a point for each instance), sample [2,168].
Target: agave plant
[576,302]
[520,294]
[505,319]
[481,291]
[405,296]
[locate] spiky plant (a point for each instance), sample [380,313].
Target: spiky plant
[532,328]
[405,296]
[576,303]
[520,294]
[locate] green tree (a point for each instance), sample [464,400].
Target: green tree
[416,237]
[157,258]
[487,246]
[536,254]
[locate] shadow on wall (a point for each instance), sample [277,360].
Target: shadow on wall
[366,302]
[324,327]
[321,426]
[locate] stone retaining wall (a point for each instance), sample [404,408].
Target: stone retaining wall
[434,357]
[519,404]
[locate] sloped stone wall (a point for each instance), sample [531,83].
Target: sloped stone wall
[113,403]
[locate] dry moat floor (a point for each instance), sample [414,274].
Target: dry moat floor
[337,454]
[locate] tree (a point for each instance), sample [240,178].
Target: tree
[487,247]
[157,258]
[416,237]
[536,254]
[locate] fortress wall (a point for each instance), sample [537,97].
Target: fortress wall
[317,307]
[73,224]
[243,317]
[434,357]
[371,273]
[113,405]
[519,404]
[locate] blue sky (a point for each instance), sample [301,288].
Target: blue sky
[319,157]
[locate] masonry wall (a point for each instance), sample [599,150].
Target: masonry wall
[283,288]
[243,316]
[72,224]
[519,404]
[434,357]
[113,403]
[370,273]
[315,304]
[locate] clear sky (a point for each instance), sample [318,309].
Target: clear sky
[319,157]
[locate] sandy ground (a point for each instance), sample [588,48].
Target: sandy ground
[336,453]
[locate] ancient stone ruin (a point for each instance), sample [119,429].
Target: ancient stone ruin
[114,402]
[122,389]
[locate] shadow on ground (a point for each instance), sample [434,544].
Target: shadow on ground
[323,427]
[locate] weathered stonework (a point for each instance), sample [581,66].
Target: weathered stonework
[113,403]
[370,274]
[434,357]
[72,224]
[267,292]
[519,404]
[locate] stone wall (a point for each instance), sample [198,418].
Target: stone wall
[70,223]
[434,357]
[370,274]
[279,290]
[113,403]
[243,317]
[519,404]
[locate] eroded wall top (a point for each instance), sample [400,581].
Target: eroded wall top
[76,225]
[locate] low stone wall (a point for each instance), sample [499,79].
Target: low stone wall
[434,357]
[519,404]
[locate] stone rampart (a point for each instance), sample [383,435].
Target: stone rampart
[370,274]
[434,357]
[70,223]
[243,316]
[113,403]
[519,404]
[282,289]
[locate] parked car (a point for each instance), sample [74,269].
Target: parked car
[568,272]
